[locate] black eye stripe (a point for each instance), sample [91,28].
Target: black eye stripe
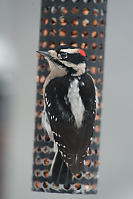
[75,58]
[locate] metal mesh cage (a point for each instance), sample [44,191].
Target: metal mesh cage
[79,23]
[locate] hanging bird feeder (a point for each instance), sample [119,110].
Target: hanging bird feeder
[79,24]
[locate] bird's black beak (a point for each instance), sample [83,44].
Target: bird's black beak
[49,56]
[46,54]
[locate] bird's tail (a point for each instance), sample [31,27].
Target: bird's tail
[60,172]
[77,163]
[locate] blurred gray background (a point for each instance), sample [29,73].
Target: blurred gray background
[19,38]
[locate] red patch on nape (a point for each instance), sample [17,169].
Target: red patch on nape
[82,52]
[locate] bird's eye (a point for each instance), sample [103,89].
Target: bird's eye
[63,55]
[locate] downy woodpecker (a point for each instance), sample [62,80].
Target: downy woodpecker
[69,111]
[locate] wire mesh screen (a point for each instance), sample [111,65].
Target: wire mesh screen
[77,23]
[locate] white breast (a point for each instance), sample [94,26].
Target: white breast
[75,100]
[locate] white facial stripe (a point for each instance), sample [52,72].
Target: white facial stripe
[80,68]
[68,64]
[76,102]
[74,66]
[69,50]
[53,53]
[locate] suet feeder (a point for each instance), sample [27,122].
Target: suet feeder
[77,23]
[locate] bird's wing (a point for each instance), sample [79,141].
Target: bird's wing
[72,141]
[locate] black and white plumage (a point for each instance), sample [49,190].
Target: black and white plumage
[69,111]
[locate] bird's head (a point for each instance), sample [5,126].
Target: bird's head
[71,60]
